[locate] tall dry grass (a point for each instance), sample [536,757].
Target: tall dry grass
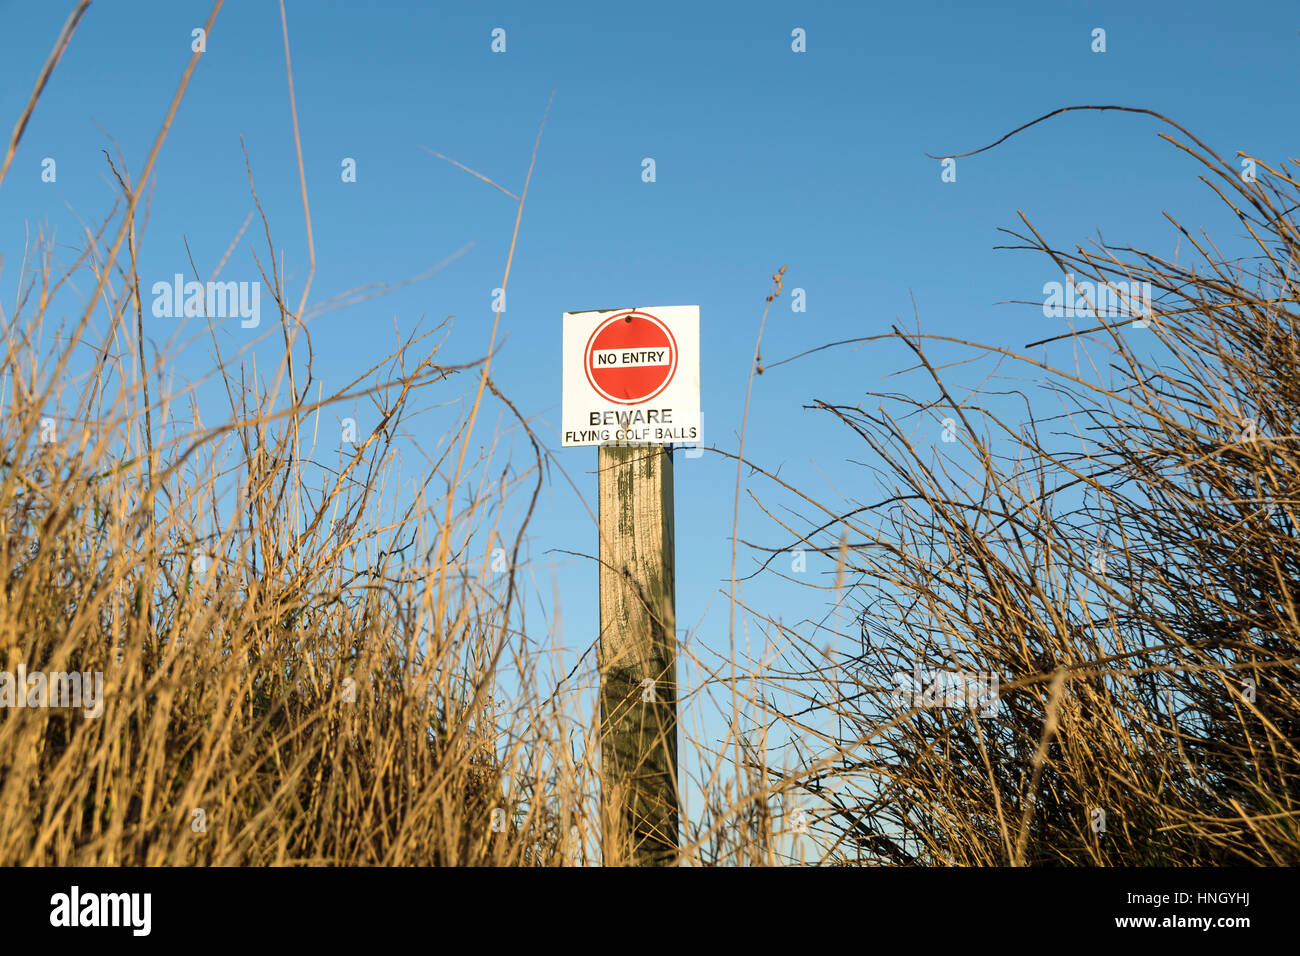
[298,668]
[299,665]
[1111,534]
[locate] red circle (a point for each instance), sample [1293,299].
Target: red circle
[630,384]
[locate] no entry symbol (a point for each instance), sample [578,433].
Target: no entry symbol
[630,358]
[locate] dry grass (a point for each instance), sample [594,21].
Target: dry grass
[1126,565]
[292,659]
[296,668]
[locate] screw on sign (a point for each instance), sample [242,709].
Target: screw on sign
[630,358]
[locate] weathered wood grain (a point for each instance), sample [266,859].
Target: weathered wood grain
[638,644]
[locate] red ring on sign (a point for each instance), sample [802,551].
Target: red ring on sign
[620,317]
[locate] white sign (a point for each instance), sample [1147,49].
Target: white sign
[632,376]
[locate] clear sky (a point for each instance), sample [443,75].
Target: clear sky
[763,156]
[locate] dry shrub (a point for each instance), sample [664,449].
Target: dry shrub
[1125,564]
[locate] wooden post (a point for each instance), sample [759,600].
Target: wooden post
[638,656]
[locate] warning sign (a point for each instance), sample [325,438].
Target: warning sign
[632,376]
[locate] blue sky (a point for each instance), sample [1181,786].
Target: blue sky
[764,157]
